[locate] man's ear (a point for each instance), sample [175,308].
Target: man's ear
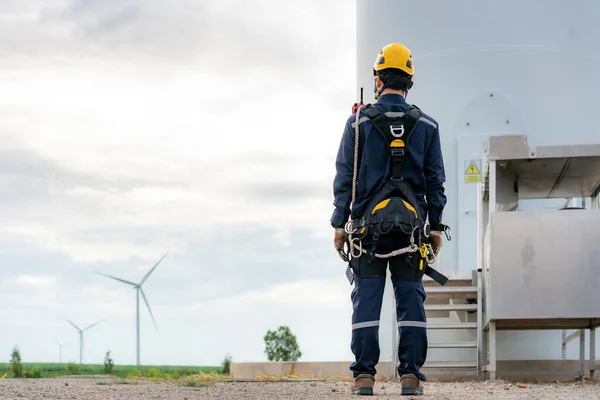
[378,82]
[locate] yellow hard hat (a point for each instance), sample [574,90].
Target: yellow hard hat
[394,55]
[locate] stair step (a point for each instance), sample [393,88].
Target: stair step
[450,364]
[456,345]
[451,292]
[463,325]
[450,307]
[428,282]
[452,289]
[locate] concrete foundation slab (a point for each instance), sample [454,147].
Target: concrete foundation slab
[536,370]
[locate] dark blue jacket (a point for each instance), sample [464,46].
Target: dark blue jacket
[423,167]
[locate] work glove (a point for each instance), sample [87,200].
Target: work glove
[340,239]
[435,240]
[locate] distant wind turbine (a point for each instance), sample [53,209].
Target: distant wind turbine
[60,346]
[81,338]
[138,288]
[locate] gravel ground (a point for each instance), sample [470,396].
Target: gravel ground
[88,388]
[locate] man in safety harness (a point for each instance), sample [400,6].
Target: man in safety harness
[389,181]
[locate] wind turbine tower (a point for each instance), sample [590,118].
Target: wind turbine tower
[81,338]
[139,290]
[60,346]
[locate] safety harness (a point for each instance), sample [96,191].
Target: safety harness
[394,208]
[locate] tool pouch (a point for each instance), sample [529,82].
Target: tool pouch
[367,265]
[409,266]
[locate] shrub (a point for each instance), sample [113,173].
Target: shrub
[72,369]
[32,372]
[225,366]
[15,361]
[108,364]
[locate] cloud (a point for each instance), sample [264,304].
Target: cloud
[206,129]
[19,165]
[223,265]
[92,217]
[131,25]
[37,280]
[284,191]
[214,283]
[227,35]
[314,292]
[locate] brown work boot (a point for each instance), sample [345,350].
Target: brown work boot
[410,385]
[363,385]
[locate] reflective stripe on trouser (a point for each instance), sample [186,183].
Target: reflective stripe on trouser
[367,297]
[412,326]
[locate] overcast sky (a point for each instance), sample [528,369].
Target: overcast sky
[130,128]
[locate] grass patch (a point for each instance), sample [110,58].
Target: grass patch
[197,384]
[119,382]
[203,379]
[160,372]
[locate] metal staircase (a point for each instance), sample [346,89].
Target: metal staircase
[453,328]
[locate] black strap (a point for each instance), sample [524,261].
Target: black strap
[435,275]
[378,219]
[395,129]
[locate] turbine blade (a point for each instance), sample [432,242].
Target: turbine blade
[148,306]
[118,279]
[153,268]
[94,324]
[76,327]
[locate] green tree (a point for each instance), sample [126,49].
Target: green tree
[15,361]
[108,363]
[225,366]
[281,345]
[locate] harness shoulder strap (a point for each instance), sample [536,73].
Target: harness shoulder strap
[396,132]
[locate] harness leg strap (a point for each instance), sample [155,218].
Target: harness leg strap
[435,275]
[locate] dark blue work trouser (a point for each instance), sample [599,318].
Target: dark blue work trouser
[367,297]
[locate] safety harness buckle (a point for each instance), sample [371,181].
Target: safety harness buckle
[397,152]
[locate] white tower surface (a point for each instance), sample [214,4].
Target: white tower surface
[489,68]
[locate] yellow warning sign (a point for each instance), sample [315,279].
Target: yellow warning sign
[472,172]
[472,169]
